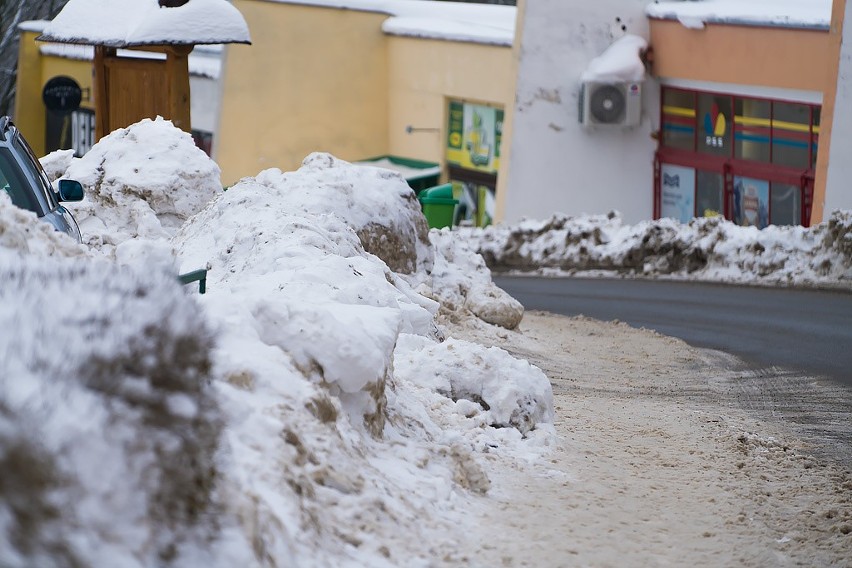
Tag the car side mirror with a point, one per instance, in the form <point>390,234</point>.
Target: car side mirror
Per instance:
<point>70,190</point>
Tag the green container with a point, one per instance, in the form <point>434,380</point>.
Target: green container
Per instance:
<point>438,205</point>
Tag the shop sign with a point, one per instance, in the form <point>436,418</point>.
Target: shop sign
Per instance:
<point>751,202</point>
<point>474,135</point>
<point>62,94</point>
<point>715,127</point>
<point>677,185</point>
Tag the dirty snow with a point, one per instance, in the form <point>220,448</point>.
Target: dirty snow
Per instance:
<point>311,447</point>
<point>705,249</point>
<point>338,397</point>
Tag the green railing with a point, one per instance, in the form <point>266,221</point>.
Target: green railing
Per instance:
<point>199,276</point>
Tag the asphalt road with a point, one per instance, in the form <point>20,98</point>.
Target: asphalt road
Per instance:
<point>795,345</point>
<point>808,331</point>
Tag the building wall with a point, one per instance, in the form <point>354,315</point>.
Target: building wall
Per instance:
<point>555,164</point>
<point>34,71</point>
<point>837,193</point>
<point>315,79</point>
<point>424,74</point>
<point>781,58</point>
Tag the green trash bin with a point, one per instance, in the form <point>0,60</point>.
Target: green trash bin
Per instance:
<point>438,205</point>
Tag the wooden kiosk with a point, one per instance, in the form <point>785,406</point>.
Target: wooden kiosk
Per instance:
<point>141,53</point>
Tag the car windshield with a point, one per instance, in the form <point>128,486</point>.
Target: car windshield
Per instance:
<point>34,169</point>
<point>14,182</point>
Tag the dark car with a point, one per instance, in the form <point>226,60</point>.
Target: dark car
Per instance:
<point>23,178</point>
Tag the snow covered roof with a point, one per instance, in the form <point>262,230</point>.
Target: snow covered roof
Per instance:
<point>808,14</point>
<point>126,23</point>
<point>474,23</point>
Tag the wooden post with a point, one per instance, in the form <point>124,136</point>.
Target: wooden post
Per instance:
<point>177,80</point>
<point>101,80</point>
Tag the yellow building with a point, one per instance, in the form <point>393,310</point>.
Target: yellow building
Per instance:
<point>736,110</point>
<point>361,79</point>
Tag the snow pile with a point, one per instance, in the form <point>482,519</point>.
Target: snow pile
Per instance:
<point>108,424</point>
<point>461,282</point>
<point>265,422</point>
<point>142,181</point>
<point>375,202</point>
<point>21,232</point>
<point>311,333</point>
<point>434,366</point>
<point>710,249</point>
<point>621,61</point>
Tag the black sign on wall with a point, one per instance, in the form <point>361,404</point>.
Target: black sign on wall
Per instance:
<point>62,94</point>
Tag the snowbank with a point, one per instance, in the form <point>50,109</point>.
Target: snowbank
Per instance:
<point>21,232</point>
<point>108,423</point>
<point>142,181</point>
<point>287,417</point>
<point>461,282</point>
<point>708,249</point>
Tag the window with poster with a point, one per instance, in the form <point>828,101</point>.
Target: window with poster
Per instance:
<point>474,135</point>
<point>748,159</point>
<point>70,130</point>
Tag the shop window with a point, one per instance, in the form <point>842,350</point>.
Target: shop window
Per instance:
<point>752,123</point>
<point>678,119</point>
<point>715,124</point>
<point>677,199</point>
<point>785,204</point>
<point>751,202</point>
<point>709,192</point>
<point>817,111</point>
<point>791,135</point>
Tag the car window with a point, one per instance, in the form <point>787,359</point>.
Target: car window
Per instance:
<point>34,169</point>
<point>13,182</point>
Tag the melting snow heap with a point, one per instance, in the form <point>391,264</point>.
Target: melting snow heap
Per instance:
<point>710,249</point>
<point>305,411</point>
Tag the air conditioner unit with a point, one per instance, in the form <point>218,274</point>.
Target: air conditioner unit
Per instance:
<point>611,103</point>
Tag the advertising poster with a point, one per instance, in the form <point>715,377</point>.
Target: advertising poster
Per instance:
<point>677,189</point>
<point>751,202</point>
<point>474,134</point>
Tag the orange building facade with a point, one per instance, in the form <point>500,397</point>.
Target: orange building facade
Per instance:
<point>741,118</point>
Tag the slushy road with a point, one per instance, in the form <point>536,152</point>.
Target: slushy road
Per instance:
<point>804,330</point>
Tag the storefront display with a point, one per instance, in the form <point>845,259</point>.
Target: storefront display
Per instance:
<point>474,135</point>
<point>751,160</point>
